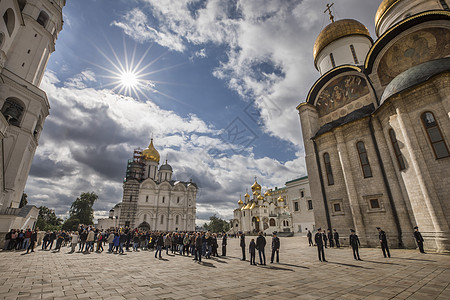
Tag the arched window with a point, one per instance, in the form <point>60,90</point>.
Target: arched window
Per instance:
<point>287,223</point>
<point>162,219</point>
<point>333,63</point>
<point>13,111</point>
<point>434,135</point>
<point>10,20</point>
<point>22,4</point>
<point>329,171</point>
<point>145,217</point>
<point>367,171</point>
<point>355,58</point>
<point>146,198</point>
<point>176,220</point>
<point>178,200</point>
<point>398,153</point>
<point>272,222</point>
<point>43,19</point>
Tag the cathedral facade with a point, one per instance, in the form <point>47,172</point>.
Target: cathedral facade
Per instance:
<point>28,33</point>
<point>152,200</point>
<point>376,125</point>
<point>288,209</point>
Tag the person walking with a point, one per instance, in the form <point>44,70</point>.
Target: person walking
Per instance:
<point>275,248</point>
<point>355,244</point>
<point>419,239</point>
<point>198,248</point>
<point>116,242</point>
<point>100,239</point>
<point>330,238</point>
<point>110,241</point>
<point>252,250</point>
<point>319,243</point>
<point>383,241</point>
<point>167,243</point>
<point>74,241</point>
<point>242,244</point>
<point>159,245</point>
<point>260,245</point>
<point>33,239</point>
<point>224,244</point>
<point>309,235</point>
<point>325,239</point>
<point>336,238</point>
<point>90,241</point>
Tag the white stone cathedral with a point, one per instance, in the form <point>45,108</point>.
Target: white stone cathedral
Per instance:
<point>376,125</point>
<point>152,200</point>
<point>28,33</point>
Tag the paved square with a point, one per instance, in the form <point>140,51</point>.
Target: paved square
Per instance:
<point>47,275</point>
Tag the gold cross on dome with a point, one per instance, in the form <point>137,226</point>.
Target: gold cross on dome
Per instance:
<point>329,11</point>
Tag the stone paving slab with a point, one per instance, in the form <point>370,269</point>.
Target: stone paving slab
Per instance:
<point>138,275</point>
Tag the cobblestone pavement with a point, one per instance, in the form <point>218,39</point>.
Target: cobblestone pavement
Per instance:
<point>299,275</point>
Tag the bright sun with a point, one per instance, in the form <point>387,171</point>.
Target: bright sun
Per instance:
<point>129,79</point>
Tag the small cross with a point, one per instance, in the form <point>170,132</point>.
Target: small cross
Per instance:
<point>329,11</point>
<point>255,178</point>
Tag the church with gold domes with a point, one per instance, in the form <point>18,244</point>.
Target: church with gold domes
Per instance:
<point>152,200</point>
<point>376,125</point>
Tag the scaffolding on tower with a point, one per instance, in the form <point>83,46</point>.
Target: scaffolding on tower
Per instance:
<point>135,166</point>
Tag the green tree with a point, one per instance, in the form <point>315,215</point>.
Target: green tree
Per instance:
<point>71,224</point>
<point>47,219</point>
<point>82,210</point>
<point>216,224</point>
<point>23,200</point>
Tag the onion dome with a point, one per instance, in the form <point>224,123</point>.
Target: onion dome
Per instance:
<point>280,199</point>
<point>337,30</point>
<point>240,201</point>
<point>255,193</point>
<point>256,186</point>
<point>252,206</point>
<point>260,197</point>
<point>246,195</point>
<point>151,153</point>
<point>166,167</point>
<point>267,193</point>
<point>382,9</point>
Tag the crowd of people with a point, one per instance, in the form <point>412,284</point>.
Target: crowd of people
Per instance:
<point>196,244</point>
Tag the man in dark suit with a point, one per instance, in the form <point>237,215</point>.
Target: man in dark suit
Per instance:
<point>260,244</point>
<point>419,239</point>
<point>224,244</point>
<point>354,242</point>
<point>275,248</point>
<point>325,239</point>
<point>383,241</point>
<point>242,244</point>
<point>309,235</point>
<point>330,238</point>
<point>319,243</point>
<point>336,238</point>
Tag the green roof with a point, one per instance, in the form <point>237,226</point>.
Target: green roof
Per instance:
<point>298,179</point>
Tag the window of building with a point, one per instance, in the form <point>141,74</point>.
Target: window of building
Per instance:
<point>145,217</point>
<point>310,205</point>
<point>131,198</point>
<point>287,223</point>
<point>163,199</point>
<point>176,220</point>
<point>146,198</point>
<point>265,211</point>
<point>244,213</point>
<point>434,135</point>
<point>337,207</point>
<point>43,18</point>
<point>444,4</point>
<point>367,171</point>
<point>178,200</point>
<point>10,20</point>
<point>13,111</point>
<point>295,206</point>
<point>398,153</point>
<point>302,194</point>
<point>162,219</point>
<point>333,64</point>
<point>355,58</point>
<point>299,228</point>
<point>127,223</point>
<point>22,4</point>
<point>328,170</point>
<point>374,203</point>
<point>272,222</point>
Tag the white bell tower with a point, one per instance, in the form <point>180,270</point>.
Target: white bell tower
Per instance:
<point>28,32</point>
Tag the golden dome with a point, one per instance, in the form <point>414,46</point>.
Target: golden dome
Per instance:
<point>240,202</point>
<point>280,199</point>
<point>382,9</point>
<point>337,30</point>
<point>267,193</point>
<point>260,197</point>
<point>247,195</point>
<point>256,186</point>
<point>247,206</point>
<point>151,153</point>
<point>255,193</point>
<point>253,206</point>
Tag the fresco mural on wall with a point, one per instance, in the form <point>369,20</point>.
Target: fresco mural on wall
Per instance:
<point>413,49</point>
<point>340,92</point>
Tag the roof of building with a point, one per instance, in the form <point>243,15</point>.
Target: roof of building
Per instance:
<point>298,179</point>
<point>337,30</point>
<point>414,76</point>
<point>353,116</point>
<point>166,167</point>
<point>382,9</point>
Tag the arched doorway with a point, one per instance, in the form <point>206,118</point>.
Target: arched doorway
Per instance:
<point>144,226</point>
<point>255,221</point>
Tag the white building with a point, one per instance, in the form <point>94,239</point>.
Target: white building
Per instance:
<point>152,200</point>
<point>287,209</point>
<point>28,32</point>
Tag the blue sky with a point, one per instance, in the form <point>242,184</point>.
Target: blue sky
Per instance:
<point>222,82</point>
